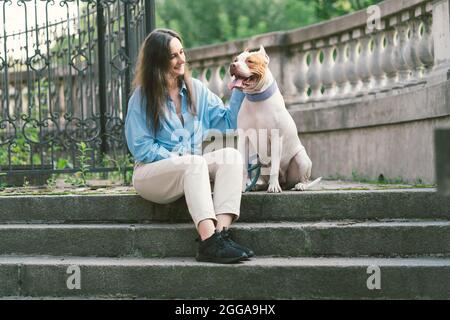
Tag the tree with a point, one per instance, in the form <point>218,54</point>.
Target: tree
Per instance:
<point>202,22</point>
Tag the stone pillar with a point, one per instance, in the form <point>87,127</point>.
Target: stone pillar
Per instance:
<point>442,150</point>
<point>441,33</point>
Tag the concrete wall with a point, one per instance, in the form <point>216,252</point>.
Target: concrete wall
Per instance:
<point>397,151</point>
<point>393,136</point>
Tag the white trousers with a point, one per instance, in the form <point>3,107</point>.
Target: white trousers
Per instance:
<point>167,180</point>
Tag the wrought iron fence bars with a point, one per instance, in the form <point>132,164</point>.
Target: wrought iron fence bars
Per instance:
<point>67,80</point>
<point>101,74</point>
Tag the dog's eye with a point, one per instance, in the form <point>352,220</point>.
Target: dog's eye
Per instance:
<point>250,61</point>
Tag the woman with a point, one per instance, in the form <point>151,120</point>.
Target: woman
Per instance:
<point>168,115</point>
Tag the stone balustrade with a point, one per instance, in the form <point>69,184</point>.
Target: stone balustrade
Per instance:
<point>354,56</point>
<point>365,91</point>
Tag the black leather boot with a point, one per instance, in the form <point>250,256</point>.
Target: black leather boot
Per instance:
<point>216,249</point>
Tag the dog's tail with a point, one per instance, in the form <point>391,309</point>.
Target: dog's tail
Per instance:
<point>313,183</point>
<point>307,186</point>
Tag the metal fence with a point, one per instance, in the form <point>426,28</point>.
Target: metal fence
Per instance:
<point>66,82</point>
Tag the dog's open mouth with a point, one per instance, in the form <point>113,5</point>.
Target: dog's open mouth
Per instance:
<point>240,82</point>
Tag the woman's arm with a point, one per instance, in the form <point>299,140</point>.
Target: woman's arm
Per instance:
<point>221,117</point>
<point>140,139</point>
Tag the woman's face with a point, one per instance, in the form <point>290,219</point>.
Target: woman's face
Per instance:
<point>177,59</point>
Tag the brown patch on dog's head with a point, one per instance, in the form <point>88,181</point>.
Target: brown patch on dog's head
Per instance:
<point>257,64</point>
<point>248,68</point>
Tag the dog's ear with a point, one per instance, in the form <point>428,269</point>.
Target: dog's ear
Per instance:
<point>263,52</point>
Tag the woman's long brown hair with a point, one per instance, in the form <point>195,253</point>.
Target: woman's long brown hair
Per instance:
<point>151,68</point>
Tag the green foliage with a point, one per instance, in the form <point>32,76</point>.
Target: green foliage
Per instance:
<point>51,182</point>
<point>381,180</point>
<point>63,163</point>
<point>2,183</point>
<point>80,179</point>
<point>202,22</point>
<point>21,149</point>
<point>4,155</point>
<point>26,183</point>
<point>122,164</point>
<point>83,158</point>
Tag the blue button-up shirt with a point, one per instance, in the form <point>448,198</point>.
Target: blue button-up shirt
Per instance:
<point>172,136</point>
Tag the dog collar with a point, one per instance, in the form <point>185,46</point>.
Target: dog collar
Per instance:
<point>266,94</point>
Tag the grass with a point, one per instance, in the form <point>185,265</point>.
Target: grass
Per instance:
<point>112,183</point>
<point>382,181</point>
<point>96,183</point>
<point>30,192</point>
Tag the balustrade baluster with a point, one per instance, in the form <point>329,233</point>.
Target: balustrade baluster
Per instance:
<point>202,75</point>
<point>375,66</point>
<point>215,82</point>
<point>408,48</point>
<point>300,77</point>
<point>339,68</point>
<point>363,66</point>
<point>313,75</point>
<point>226,80</point>
<point>400,61</point>
<point>351,66</point>
<point>417,72</point>
<point>425,46</point>
<point>387,63</point>
<point>291,63</point>
<point>326,74</point>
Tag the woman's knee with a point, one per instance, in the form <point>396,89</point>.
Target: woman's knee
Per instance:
<point>196,164</point>
<point>232,156</point>
<point>188,161</point>
<point>197,160</point>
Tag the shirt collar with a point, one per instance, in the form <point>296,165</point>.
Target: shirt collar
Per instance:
<point>183,88</point>
<point>182,92</point>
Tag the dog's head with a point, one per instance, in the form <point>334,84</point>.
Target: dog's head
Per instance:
<point>248,70</point>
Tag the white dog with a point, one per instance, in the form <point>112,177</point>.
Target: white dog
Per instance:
<point>266,128</point>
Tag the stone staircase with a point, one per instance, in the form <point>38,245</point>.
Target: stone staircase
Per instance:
<point>310,245</point>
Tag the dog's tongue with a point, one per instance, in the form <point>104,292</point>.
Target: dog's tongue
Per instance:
<point>235,83</point>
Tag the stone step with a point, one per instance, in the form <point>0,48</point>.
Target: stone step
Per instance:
<point>339,238</point>
<point>256,207</point>
<point>260,278</point>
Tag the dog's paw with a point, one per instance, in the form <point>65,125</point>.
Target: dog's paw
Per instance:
<point>300,186</point>
<point>274,188</point>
